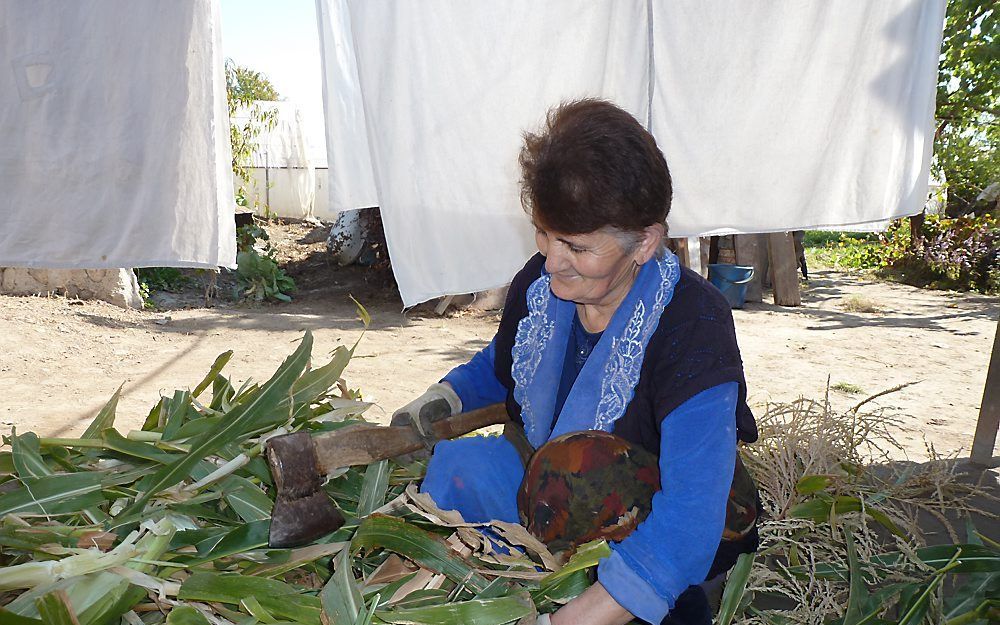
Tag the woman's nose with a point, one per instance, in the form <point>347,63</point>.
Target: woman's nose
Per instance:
<point>555,259</point>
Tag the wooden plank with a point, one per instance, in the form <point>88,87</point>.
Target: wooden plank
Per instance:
<point>681,249</point>
<point>748,253</point>
<point>705,249</point>
<point>784,266</point>
<point>989,412</point>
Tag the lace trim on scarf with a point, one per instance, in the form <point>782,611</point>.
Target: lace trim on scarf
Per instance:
<point>621,373</point>
<point>533,334</point>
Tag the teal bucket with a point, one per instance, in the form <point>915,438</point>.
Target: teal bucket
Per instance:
<point>732,280</point>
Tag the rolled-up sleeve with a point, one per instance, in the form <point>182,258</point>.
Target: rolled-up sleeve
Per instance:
<point>476,382</point>
<point>674,546</point>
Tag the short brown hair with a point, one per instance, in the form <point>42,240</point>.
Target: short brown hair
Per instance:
<point>593,166</point>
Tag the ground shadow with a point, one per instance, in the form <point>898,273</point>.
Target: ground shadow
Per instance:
<point>826,286</point>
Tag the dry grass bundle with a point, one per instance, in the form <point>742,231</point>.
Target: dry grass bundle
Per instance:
<point>835,503</point>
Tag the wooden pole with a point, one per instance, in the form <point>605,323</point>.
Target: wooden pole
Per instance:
<point>989,412</point>
<point>749,253</point>
<point>781,249</point>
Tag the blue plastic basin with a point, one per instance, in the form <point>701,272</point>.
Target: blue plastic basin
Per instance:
<point>732,280</point>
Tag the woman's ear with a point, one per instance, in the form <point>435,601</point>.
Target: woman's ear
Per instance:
<point>652,238</point>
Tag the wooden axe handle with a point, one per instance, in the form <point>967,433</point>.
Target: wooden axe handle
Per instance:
<point>365,443</point>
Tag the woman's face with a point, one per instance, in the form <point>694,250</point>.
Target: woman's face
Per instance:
<point>591,268</point>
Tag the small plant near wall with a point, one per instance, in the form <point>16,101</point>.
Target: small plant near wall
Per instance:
<point>258,276</point>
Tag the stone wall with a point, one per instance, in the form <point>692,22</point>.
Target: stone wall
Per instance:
<point>116,286</point>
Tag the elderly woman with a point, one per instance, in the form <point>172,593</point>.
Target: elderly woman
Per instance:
<point>603,330</point>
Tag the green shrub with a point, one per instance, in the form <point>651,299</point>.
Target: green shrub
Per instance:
<point>258,276</point>
<point>954,253</point>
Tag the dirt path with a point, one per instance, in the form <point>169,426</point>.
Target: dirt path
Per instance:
<point>60,360</point>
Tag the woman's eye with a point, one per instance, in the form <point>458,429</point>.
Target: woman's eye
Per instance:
<point>577,250</point>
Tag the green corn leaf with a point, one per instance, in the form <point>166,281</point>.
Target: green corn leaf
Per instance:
<point>373,488</point>
<point>27,456</point>
<point>246,499</point>
<point>977,588</point>
<point>186,615</point>
<point>341,597</point>
<point>222,393</point>
<point>10,618</point>
<point>736,586</point>
<point>242,538</point>
<point>857,594</point>
<point>54,609</point>
<point>178,408</point>
<point>220,362</point>
<point>426,549</point>
<point>109,607</point>
<point>197,427</point>
<point>549,597</point>
<point>304,609</point>
<point>105,418</point>
<point>231,588</point>
<point>256,610</point>
<point>475,612</point>
<point>240,422</point>
<point>588,555</point>
<point>312,384</point>
<point>823,508</point>
<point>154,418</point>
<point>6,463</point>
<point>136,449</point>
<point>974,559</point>
<point>809,484</point>
<point>88,594</point>
<point>64,493</point>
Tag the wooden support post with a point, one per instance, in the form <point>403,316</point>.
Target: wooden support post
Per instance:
<point>681,249</point>
<point>781,251</point>
<point>749,253</point>
<point>989,412</point>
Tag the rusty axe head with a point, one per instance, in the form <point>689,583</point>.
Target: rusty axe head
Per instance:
<point>302,510</point>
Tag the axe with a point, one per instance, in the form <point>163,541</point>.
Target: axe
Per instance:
<point>302,510</point>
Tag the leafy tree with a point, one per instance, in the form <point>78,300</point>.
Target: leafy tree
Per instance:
<point>247,85</point>
<point>967,138</point>
<point>259,277</point>
<point>244,89</point>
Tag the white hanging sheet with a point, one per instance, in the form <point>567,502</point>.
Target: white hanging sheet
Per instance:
<point>349,160</point>
<point>795,115</point>
<point>115,135</point>
<point>782,116</point>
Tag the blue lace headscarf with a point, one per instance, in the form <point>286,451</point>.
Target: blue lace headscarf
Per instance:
<point>606,383</point>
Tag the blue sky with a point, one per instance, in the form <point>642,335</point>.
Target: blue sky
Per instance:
<point>280,39</point>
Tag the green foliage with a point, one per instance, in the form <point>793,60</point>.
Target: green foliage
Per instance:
<point>159,279</point>
<point>960,253</point>
<point>244,89</point>
<point>259,278</point>
<point>967,139</point>
<point>247,85</point>
<point>953,253</point>
<point>841,250</point>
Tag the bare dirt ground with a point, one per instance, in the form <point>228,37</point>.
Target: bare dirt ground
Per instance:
<point>60,360</point>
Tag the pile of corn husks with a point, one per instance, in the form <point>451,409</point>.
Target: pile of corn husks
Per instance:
<point>169,524</point>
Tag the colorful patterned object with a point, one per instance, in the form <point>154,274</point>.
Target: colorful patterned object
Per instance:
<point>585,486</point>
<point>594,485</point>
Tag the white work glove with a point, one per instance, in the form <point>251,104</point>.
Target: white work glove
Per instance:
<point>543,619</point>
<point>439,401</point>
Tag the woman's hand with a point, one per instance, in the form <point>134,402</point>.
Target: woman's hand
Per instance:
<point>595,606</point>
